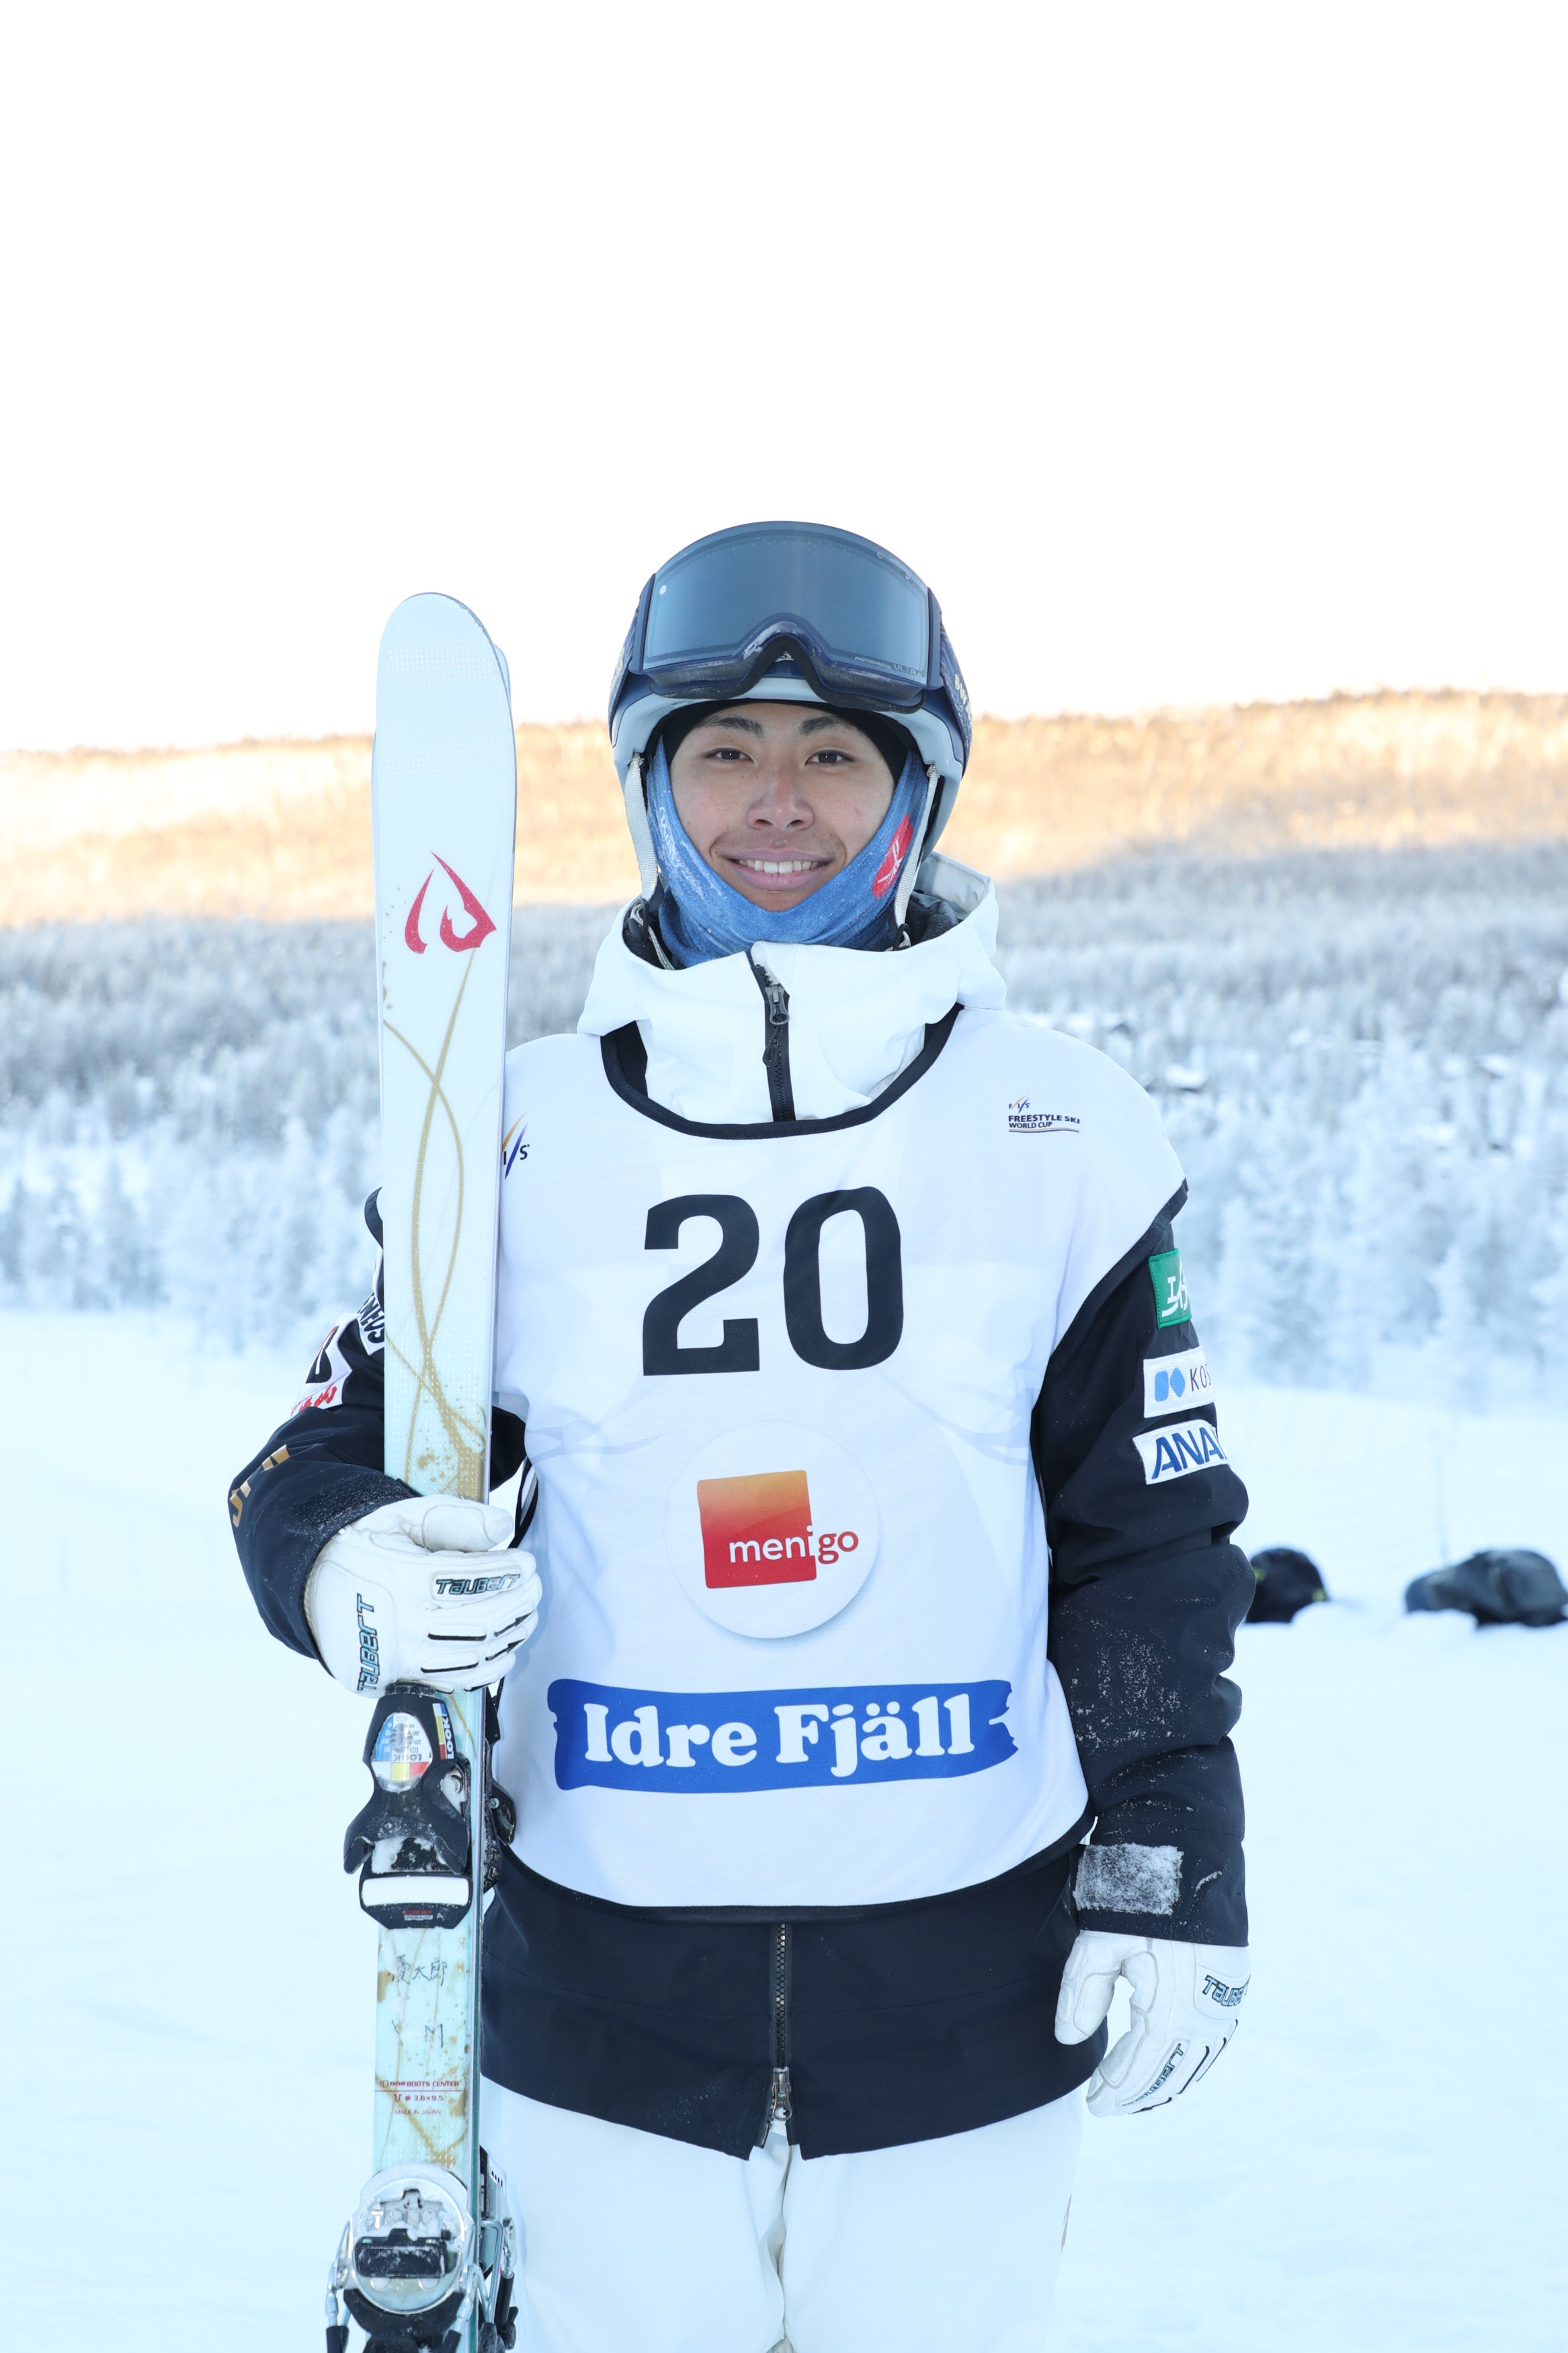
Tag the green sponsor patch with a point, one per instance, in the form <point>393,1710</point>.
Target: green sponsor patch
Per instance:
<point>1170,1287</point>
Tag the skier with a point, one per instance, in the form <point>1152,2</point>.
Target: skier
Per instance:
<point>871,1721</point>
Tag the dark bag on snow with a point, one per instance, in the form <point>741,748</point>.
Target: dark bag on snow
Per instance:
<point>1287,1581</point>
<point>1498,1589</point>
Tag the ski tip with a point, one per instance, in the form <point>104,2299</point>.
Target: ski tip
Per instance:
<point>432,628</point>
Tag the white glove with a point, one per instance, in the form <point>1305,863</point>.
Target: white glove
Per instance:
<point>417,1591</point>
<point>1186,2002</point>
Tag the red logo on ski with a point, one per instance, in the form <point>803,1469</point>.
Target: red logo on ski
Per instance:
<point>479,925</point>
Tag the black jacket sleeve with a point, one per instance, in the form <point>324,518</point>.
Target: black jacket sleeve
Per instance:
<point>1146,1594</point>
<point>322,1467</point>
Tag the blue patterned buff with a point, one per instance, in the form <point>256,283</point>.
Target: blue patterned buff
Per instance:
<point>703,916</point>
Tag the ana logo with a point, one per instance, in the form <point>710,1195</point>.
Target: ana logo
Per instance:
<point>1178,1452</point>
<point>1022,1121</point>
<point>479,925</point>
<point>513,1147</point>
<point>1172,1383</point>
<point>898,850</point>
<point>759,1530</point>
<point>767,1551</point>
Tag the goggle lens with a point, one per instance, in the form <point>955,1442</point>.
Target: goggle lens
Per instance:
<point>861,613</point>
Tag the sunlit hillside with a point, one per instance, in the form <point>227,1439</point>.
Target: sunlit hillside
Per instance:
<point>1330,938</point>
<point>281,830</point>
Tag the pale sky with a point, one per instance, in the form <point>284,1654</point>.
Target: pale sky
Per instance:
<point>1192,352</point>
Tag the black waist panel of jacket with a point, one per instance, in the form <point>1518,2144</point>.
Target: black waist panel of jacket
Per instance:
<point>899,2021</point>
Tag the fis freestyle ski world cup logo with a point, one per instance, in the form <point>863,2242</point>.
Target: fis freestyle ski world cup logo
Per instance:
<point>479,924</point>
<point>1023,1119</point>
<point>772,1529</point>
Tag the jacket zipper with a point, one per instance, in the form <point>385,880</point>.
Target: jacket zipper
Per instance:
<point>779,2098</point>
<point>775,1041</point>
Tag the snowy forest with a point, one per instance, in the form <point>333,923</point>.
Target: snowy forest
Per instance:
<point>1362,1059</point>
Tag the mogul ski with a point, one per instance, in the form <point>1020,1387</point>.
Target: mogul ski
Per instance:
<point>426,2263</point>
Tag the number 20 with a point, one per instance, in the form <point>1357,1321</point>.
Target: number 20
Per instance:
<point>738,1351</point>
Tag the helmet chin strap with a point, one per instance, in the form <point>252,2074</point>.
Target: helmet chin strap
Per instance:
<point>917,847</point>
<point>638,825</point>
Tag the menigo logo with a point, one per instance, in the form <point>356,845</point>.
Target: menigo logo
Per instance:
<point>1178,1451</point>
<point>764,1549</point>
<point>759,1530</point>
<point>608,1738</point>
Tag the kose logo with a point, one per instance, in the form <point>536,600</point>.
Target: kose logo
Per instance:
<point>759,1530</point>
<point>1174,1383</point>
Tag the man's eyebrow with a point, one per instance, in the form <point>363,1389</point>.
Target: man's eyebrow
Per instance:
<point>816,725</point>
<point>733,719</point>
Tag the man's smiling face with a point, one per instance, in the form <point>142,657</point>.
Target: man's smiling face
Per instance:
<point>779,796</point>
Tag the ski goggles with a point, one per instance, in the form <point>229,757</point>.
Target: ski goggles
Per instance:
<point>833,615</point>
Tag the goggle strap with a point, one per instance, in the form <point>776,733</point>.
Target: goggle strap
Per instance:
<point>639,827</point>
<point>912,862</point>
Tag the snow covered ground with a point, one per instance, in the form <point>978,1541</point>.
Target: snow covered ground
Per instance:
<point>1377,2166</point>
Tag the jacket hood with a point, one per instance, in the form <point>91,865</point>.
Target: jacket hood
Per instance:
<point>856,1019</point>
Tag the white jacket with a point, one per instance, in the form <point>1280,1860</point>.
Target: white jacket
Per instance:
<point>777,1378</point>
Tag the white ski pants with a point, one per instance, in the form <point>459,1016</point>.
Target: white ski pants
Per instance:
<point>633,2244</point>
